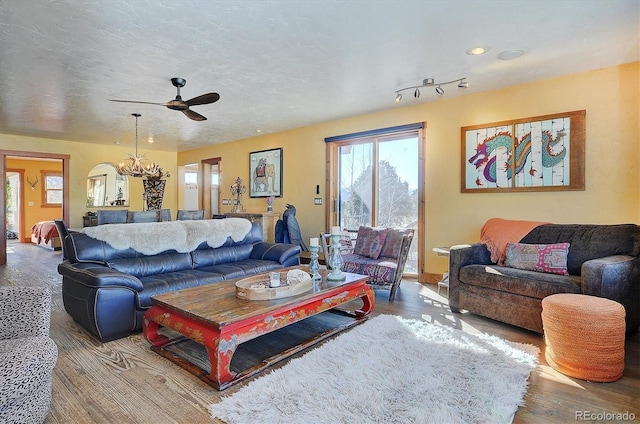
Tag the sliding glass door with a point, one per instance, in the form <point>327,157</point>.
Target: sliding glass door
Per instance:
<point>377,182</point>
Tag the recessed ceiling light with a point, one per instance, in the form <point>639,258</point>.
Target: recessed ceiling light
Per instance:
<point>510,54</point>
<point>474,51</point>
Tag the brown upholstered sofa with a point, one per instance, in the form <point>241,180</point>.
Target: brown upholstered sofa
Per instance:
<point>602,260</point>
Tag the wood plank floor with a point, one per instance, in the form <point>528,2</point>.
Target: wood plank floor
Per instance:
<point>124,382</point>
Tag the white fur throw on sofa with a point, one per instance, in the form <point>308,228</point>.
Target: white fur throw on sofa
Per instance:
<point>151,238</point>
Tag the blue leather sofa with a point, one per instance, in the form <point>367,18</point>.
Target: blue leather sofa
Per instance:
<point>108,290</point>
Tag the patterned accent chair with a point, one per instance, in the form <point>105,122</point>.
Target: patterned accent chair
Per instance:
<point>28,354</point>
<point>380,253</point>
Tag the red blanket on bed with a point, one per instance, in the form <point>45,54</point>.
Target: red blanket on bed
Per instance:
<point>44,230</point>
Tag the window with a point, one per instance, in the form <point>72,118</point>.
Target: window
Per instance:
<point>191,177</point>
<point>51,188</point>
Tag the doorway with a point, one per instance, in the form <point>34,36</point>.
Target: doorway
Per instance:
<point>190,187</point>
<point>14,214</point>
<point>210,193</point>
<point>214,175</point>
<point>4,155</point>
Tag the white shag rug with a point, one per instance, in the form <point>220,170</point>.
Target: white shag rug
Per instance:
<point>391,370</point>
<point>151,238</point>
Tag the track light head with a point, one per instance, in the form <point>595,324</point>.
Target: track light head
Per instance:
<point>398,97</point>
<point>416,93</point>
<point>463,84</point>
<point>439,90</point>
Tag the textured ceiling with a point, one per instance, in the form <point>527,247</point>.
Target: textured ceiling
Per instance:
<point>277,65</point>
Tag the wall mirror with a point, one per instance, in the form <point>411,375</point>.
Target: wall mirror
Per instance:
<point>105,187</point>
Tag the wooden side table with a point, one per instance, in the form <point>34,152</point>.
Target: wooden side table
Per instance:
<point>89,220</point>
<point>266,220</point>
<point>444,282</point>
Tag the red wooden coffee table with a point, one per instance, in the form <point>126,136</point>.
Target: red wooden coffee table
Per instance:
<point>213,316</point>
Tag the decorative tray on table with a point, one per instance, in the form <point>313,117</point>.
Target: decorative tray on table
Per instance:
<point>257,286</point>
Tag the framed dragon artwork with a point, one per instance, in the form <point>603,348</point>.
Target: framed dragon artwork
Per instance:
<point>541,153</point>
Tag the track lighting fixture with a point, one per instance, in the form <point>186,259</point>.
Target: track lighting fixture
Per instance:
<point>430,82</point>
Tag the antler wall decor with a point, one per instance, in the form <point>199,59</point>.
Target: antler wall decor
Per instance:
<point>32,184</point>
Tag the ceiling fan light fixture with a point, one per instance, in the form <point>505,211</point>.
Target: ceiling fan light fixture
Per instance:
<point>182,105</point>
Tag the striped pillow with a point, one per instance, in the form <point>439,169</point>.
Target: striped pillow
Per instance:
<point>549,258</point>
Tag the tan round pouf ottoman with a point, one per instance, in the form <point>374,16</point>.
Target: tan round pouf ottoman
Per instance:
<point>584,336</point>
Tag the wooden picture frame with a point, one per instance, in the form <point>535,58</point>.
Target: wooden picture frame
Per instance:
<point>265,173</point>
<point>541,153</point>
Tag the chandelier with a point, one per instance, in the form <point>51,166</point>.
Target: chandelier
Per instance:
<point>138,165</point>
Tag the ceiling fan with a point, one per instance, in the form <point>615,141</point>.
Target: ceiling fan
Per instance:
<point>181,105</point>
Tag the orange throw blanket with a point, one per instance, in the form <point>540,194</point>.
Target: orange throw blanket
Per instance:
<point>497,232</point>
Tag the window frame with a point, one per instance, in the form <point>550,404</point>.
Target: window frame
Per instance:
<point>332,197</point>
<point>44,191</point>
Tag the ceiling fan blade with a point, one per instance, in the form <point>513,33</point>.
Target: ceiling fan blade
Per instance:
<point>133,101</point>
<point>194,115</point>
<point>204,99</point>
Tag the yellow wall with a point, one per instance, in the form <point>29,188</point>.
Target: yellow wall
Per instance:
<point>611,98</point>
<point>83,157</point>
<point>32,199</point>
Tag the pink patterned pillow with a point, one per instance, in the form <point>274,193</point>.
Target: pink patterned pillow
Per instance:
<point>549,258</point>
<point>370,241</point>
<point>393,242</point>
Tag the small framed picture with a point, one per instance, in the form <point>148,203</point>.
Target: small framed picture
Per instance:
<point>265,173</point>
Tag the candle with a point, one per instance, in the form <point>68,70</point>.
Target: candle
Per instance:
<point>274,279</point>
<point>335,231</point>
<point>313,241</point>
